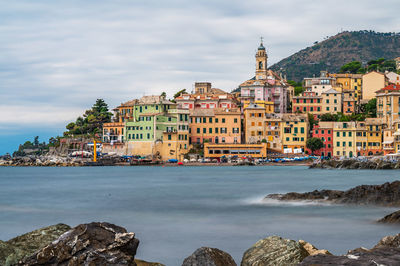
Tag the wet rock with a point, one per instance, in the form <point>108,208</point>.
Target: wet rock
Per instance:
<point>89,244</point>
<point>384,256</point>
<point>356,164</point>
<point>23,246</point>
<point>389,241</point>
<point>386,252</point>
<point>393,218</point>
<point>387,194</point>
<point>206,256</point>
<point>274,250</point>
<point>312,250</point>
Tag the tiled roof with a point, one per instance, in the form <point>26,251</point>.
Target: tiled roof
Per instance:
<point>331,91</point>
<point>391,87</point>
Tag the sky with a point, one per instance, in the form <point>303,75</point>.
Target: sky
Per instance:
<point>58,57</point>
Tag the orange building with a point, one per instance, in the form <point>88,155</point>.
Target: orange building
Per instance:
<point>215,126</point>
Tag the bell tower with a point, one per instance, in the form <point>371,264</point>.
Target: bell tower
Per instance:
<point>261,62</point>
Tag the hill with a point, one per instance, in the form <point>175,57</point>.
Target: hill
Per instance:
<point>338,50</point>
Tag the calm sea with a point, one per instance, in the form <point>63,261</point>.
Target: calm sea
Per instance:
<point>175,210</point>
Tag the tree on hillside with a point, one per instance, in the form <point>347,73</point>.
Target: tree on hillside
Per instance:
<point>92,120</point>
<point>354,67</point>
<point>328,117</point>
<point>298,87</point>
<point>314,144</point>
<point>179,93</point>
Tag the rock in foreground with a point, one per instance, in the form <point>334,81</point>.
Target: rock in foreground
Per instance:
<point>387,194</point>
<point>206,256</point>
<point>89,244</point>
<point>274,250</point>
<point>23,246</point>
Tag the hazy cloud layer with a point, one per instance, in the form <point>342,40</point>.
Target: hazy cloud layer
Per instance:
<point>57,57</point>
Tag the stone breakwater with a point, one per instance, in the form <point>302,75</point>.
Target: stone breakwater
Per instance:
<point>373,164</point>
<point>101,243</point>
<point>44,161</point>
<point>387,194</point>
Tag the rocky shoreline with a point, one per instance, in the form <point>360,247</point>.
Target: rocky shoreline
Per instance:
<point>101,243</point>
<point>372,164</point>
<point>387,194</point>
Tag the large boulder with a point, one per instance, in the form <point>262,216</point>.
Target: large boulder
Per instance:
<point>393,218</point>
<point>312,250</point>
<point>23,246</point>
<point>206,256</point>
<point>89,244</point>
<point>389,241</point>
<point>274,250</point>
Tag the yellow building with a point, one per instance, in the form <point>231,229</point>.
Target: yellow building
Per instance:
<point>387,101</point>
<point>396,136</point>
<point>361,139</point>
<point>375,127</point>
<point>294,131</point>
<point>268,106</point>
<point>350,82</point>
<point>273,135</point>
<point>371,83</point>
<point>331,101</point>
<point>212,150</point>
<point>254,123</point>
<point>388,141</point>
<point>344,139</point>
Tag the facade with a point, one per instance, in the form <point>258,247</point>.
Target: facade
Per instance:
<point>212,150</point>
<point>157,128</point>
<point>294,131</point>
<point>388,141</point>
<point>308,102</point>
<point>349,103</point>
<point>273,132</point>
<point>349,83</point>
<point>371,83</point>
<point>331,101</point>
<point>268,106</point>
<point>344,139</point>
<point>320,84</point>
<point>324,131</point>
<point>215,126</point>
<point>254,124</point>
<point>393,78</point>
<point>387,100</point>
<point>375,127</point>
<point>206,98</point>
<point>361,139</point>
<point>266,85</point>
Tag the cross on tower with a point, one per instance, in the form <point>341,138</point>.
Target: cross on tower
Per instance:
<point>262,38</point>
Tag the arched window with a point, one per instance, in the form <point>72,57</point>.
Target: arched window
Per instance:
<point>260,65</point>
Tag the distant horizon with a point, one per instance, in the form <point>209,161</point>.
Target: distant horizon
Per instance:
<point>59,57</point>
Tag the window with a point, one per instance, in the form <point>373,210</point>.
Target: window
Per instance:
<point>223,120</point>
<point>344,134</point>
<point>350,143</point>
<point>198,130</point>
<point>210,120</point>
<point>338,144</point>
<point>210,130</point>
<point>302,130</point>
<point>204,130</point>
<point>169,137</point>
<point>235,120</point>
<point>204,120</point>
<point>216,130</point>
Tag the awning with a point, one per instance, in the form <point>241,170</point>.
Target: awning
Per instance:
<point>388,142</point>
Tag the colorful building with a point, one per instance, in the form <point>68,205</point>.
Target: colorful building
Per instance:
<point>206,97</point>
<point>294,131</point>
<point>320,84</point>
<point>361,139</point>
<point>254,123</point>
<point>331,101</point>
<point>349,103</point>
<point>308,102</point>
<point>375,127</point>
<point>273,131</point>
<point>157,128</point>
<point>268,106</point>
<point>215,126</point>
<point>371,83</point>
<point>324,131</point>
<point>216,151</point>
<point>344,139</point>
<point>266,85</point>
<point>349,83</point>
<point>387,101</point>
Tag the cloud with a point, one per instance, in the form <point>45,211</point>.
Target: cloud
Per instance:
<point>63,55</point>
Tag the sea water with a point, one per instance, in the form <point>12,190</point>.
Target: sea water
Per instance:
<point>175,210</point>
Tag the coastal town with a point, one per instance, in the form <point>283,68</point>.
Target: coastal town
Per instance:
<point>263,115</point>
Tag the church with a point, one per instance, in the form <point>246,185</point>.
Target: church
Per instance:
<point>266,87</point>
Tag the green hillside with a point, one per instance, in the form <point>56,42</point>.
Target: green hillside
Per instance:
<point>338,50</point>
